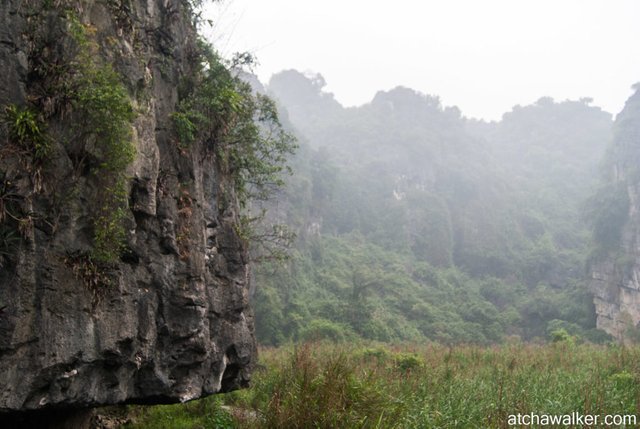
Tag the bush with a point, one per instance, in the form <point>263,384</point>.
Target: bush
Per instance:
<point>26,131</point>
<point>322,329</point>
<point>319,387</point>
<point>406,362</point>
<point>562,336</point>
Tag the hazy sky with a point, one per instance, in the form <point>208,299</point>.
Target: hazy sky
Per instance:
<point>484,56</point>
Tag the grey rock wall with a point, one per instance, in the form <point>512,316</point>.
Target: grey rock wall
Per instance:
<point>174,323</point>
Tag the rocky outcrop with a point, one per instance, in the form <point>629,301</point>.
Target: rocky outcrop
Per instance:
<point>615,271</point>
<point>167,321</point>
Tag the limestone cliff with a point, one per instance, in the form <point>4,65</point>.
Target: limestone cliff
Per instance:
<point>167,319</point>
<point>615,271</point>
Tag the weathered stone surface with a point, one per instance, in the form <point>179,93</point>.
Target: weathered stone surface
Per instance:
<point>174,324</point>
<point>615,277</point>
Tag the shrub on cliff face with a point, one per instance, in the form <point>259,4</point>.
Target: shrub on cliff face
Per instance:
<point>26,131</point>
<point>99,97</point>
<point>241,128</point>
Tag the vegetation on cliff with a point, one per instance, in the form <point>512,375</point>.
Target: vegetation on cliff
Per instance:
<point>240,128</point>
<point>80,84</point>
<point>613,215</point>
<point>417,223</point>
<point>609,206</point>
<point>122,250</point>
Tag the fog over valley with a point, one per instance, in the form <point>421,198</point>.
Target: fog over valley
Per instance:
<point>242,214</point>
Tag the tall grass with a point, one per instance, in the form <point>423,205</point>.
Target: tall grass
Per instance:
<point>324,385</point>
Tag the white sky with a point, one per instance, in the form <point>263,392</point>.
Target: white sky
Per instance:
<point>484,56</point>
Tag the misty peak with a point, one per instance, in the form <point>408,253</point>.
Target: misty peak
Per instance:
<point>403,98</point>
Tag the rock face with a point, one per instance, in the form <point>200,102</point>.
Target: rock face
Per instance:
<point>616,272</point>
<point>169,320</point>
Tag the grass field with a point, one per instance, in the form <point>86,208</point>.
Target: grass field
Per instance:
<point>324,385</point>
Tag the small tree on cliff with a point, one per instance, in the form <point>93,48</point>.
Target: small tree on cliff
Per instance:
<point>241,127</point>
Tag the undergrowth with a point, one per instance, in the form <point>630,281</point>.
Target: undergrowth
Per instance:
<point>325,385</point>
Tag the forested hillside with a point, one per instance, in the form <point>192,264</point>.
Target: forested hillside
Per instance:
<point>414,222</point>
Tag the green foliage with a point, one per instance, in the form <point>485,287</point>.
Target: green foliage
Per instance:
<point>185,128</point>
<point>105,105</point>
<point>322,329</point>
<point>385,301</point>
<point>380,354</point>
<point>561,336</point>
<point>98,95</point>
<point>109,232</point>
<point>623,379</point>
<point>26,130</point>
<point>203,414</point>
<point>101,100</point>
<point>308,390</point>
<point>466,231</point>
<point>407,362</point>
<point>242,129</point>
